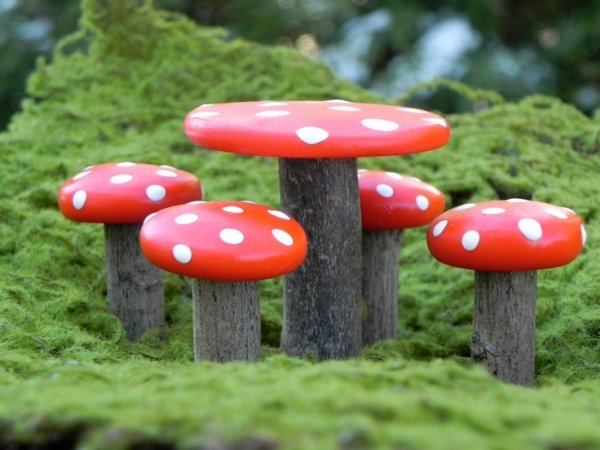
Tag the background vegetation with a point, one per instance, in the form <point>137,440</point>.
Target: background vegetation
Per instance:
<point>509,46</point>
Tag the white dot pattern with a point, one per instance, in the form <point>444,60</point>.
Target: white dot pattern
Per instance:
<point>80,175</point>
<point>279,214</point>
<point>186,219</point>
<point>385,190</point>
<point>272,113</point>
<point>524,235</point>
<point>282,237</point>
<point>233,209</point>
<point>412,110</point>
<point>556,213</point>
<point>422,202</point>
<point>380,124</point>
<point>312,135</point>
<point>204,114</point>
<point>270,104</point>
<point>439,227</point>
<point>125,164</point>
<point>345,108</point>
<point>149,216</point>
<point>79,199</point>
<point>231,236</point>
<point>531,229</point>
<point>121,179</point>
<point>436,120</point>
<point>166,173</point>
<point>464,207</point>
<point>182,253</point>
<point>156,192</point>
<point>492,211</point>
<point>470,240</point>
<point>394,175</point>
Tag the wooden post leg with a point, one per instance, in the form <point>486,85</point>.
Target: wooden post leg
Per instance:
<point>504,325</point>
<point>226,321</point>
<point>321,298</point>
<point>380,250</point>
<point>135,287</point>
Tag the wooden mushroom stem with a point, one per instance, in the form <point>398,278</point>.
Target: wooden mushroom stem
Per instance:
<point>379,310</point>
<point>321,298</point>
<point>135,287</point>
<point>226,321</point>
<point>504,325</point>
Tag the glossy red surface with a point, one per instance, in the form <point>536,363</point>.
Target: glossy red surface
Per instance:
<point>390,201</point>
<point>224,241</point>
<point>125,192</point>
<point>315,129</point>
<point>506,235</point>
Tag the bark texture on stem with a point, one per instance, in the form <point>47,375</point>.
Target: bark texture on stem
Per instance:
<point>321,299</point>
<point>504,325</point>
<point>380,250</point>
<point>226,321</point>
<point>134,285</point>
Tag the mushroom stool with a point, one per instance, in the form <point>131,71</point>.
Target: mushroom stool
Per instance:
<point>318,143</point>
<point>389,203</point>
<point>121,195</point>
<point>505,242</point>
<point>226,247</point>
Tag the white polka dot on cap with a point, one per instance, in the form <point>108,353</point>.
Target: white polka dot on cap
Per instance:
<point>186,219</point>
<point>470,240</point>
<point>385,190</point>
<point>312,135</point>
<point>380,124</point>
<point>156,192</point>
<point>439,227</point>
<point>531,229</point>
<point>231,236</point>
<point>422,202</point>
<point>272,113</point>
<point>233,209</point>
<point>79,199</point>
<point>182,253</point>
<point>283,237</point>
<point>121,178</point>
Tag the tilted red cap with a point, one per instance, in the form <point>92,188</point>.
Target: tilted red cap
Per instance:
<point>224,241</point>
<point>125,192</point>
<point>390,201</point>
<point>315,129</point>
<point>506,235</point>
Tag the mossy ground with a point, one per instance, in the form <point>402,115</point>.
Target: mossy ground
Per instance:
<point>118,90</point>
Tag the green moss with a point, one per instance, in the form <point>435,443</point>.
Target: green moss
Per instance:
<point>118,90</point>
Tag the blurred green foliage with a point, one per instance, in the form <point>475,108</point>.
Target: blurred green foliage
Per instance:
<point>510,46</point>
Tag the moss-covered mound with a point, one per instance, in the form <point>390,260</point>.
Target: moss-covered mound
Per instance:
<point>118,90</point>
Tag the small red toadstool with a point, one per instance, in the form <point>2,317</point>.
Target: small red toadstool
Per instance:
<point>318,143</point>
<point>121,195</point>
<point>505,242</point>
<point>226,247</point>
<point>389,203</point>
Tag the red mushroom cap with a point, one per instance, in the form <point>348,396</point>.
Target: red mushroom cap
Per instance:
<point>506,236</point>
<point>224,241</point>
<point>390,201</point>
<point>125,192</point>
<point>315,129</point>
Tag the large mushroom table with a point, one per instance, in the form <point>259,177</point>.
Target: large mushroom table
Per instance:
<point>318,143</point>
